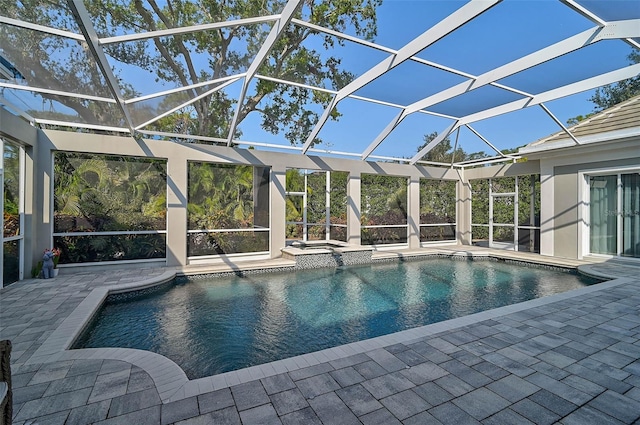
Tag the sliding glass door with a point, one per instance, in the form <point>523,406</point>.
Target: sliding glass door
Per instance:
<point>630,215</point>
<point>12,178</point>
<point>614,214</point>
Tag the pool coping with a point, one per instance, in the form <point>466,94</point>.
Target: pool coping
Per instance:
<point>173,384</point>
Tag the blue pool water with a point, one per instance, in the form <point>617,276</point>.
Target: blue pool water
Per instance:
<point>216,325</point>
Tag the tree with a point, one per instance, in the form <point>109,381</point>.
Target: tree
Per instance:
<point>11,179</point>
<point>443,152</point>
<point>190,58</point>
<point>440,152</point>
<point>101,193</point>
<point>575,120</point>
<point>612,94</point>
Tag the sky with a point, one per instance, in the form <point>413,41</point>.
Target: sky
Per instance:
<point>507,31</point>
<point>512,29</point>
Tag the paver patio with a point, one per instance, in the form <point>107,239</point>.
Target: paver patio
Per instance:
<point>571,358</point>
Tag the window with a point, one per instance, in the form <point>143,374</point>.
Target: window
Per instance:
<point>437,210</point>
<point>109,208</point>
<point>384,210</point>
<point>228,209</point>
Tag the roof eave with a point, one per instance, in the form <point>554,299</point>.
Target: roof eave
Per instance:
<point>564,143</point>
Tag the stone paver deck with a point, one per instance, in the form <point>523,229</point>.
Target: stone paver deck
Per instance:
<point>571,358</point>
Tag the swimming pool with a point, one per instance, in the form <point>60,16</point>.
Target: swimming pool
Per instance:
<point>210,326</point>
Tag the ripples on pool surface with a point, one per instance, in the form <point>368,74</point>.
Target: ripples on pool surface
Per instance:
<point>221,324</point>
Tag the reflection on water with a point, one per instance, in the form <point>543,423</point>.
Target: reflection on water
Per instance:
<point>217,325</point>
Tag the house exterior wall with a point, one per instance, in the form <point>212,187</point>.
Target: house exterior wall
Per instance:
<point>563,227</point>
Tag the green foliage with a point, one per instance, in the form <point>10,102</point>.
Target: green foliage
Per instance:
<point>503,207</point>
<point>11,175</point>
<point>575,120</point>
<point>338,197</point>
<point>222,197</point>
<point>190,58</point>
<point>480,201</point>
<point>316,202</point>
<point>383,199</point>
<point>383,202</point>
<point>36,270</point>
<point>612,94</point>
<point>56,62</point>
<point>92,248</point>
<point>443,152</point>
<point>94,193</point>
<point>437,201</point>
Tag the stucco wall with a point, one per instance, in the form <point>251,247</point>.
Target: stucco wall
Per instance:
<point>567,203</point>
<point>562,225</point>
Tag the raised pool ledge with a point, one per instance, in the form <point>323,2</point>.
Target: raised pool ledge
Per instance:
<point>318,254</point>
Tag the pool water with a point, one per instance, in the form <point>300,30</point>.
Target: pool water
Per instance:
<point>210,326</point>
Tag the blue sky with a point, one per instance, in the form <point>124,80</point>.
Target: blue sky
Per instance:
<point>506,32</point>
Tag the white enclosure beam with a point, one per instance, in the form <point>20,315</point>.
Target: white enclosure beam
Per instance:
<point>486,161</point>
<point>280,25</point>
<point>584,11</point>
<point>455,147</point>
<point>56,92</point>
<point>187,30</point>
<point>295,84</point>
<point>560,92</point>
<point>564,128</point>
<point>235,78</point>
<point>377,47</point>
<point>612,30</point>
<point>187,103</point>
<point>17,110</point>
<point>82,125</point>
<point>40,28</point>
<point>183,136</point>
<point>457,19</point>
<point>439,138</point>
<point>325,90</point>
<point>485,141</point>
<point>84,22</point>
<point>393,124</point>
<point>598,20</point>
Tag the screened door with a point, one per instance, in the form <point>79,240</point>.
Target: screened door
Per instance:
<point>614,214</point>
<point>502,216</point>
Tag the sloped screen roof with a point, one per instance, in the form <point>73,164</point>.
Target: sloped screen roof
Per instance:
<point>368,79</point>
